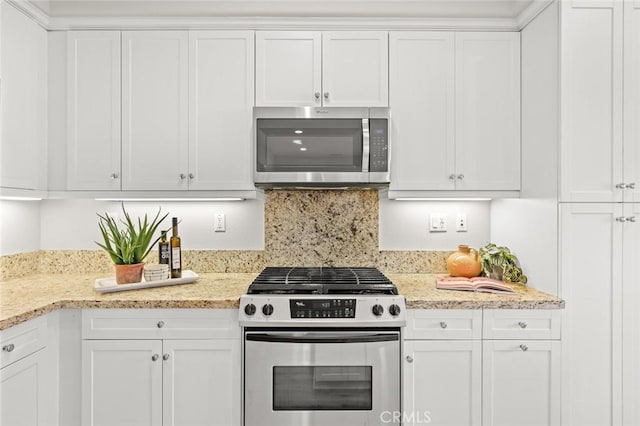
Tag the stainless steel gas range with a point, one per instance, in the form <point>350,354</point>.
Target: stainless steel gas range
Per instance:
<point>321,347</point>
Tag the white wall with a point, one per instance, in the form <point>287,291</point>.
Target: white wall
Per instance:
<point>73,224</point>
<point>404,225</point>
<point>19,226</point>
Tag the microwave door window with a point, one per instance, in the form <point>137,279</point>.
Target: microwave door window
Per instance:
<point>320,145</point>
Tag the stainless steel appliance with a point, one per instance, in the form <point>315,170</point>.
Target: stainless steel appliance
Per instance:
<point>321,347</point>
<point>311,146</point>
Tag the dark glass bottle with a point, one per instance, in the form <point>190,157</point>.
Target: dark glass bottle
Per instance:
<point>164,252</point>
<point>176,252</point>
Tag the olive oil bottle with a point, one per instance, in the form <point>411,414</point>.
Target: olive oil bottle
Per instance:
<point>176,252</point>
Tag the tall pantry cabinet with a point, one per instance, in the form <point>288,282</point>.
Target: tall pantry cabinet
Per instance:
<point>599,210</point>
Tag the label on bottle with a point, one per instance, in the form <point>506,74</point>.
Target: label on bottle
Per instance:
<point>165,254</point>
<point>175,258</point>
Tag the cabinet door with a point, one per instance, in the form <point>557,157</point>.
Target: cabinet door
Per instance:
<point>355,68</point>
<point>122,382</point>
<point>442,382</point>
<point>201,382</point>
<point>93,110</point>
<point>487,111</point>
<point>288,68</point>
<point>632,101</point>
<point>154,110</point>
<point>521,383</point>
<point>421,71</point>
<point>23,392</point>
<point>591,93</point>
<point>23,101</point>
<point>221,76</point>
<point>631,317</point>
<point>591,283</point>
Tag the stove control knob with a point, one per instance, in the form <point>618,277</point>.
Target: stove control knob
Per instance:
<point>377,310</point>
<point>267,309</point>
<point>250,309</point>
<point>394,310</point>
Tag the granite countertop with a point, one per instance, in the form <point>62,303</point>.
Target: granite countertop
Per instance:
<point>24,298</point>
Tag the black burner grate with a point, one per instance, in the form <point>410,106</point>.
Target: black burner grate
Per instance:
<point>340,280</point>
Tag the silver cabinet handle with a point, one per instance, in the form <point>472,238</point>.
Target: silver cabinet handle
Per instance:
<point>621,219</point>
<point>524,347</point>
<point>191,176</point>
<point>160,324</point>
<point>443,324</point>
<point>155,357</point>
<point>9,348</point>
<point>621,185</point>
<point>631,219</point>
<point>165,357</point>
<point>522,324</point>
<point>409,359</point>
<point>460,176</point>
<point>326,96</point>
<point>452,177</point>
<point>183,176</point>
<point>113,176</point>
<point>317,96</point>
<point>631,185</point>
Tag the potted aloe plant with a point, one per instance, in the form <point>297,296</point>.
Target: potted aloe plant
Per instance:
<point>128,243</point>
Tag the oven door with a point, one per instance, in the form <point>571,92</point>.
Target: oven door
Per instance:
<point>321,378</point>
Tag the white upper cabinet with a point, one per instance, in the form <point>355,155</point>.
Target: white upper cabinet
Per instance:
<point>591,156</point>
<point>488,111</point>
<point>155,110</point>
<point>309,68</point>
<point>288,68</point>
<point>221,75</point>
<point>93,110</point>
<point>631,148</point>
<point>455,102</point>
<point>422,73</point>
<point>23,101</point>
<point>355,68</point>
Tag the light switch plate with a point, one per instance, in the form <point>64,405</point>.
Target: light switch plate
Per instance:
<point>220,224</point>
<point>438,222</point>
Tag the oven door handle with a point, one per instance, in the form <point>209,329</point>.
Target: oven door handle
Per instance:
<point>322,338</point>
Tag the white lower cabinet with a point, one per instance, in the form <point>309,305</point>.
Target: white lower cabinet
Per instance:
<point>180,380</point>
<point>26,390</point>
<point>469,367</point>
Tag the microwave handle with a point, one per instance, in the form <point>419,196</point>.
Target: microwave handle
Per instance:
<point>365,145</point>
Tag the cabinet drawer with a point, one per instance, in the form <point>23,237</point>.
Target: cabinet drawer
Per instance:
<point>521,324</point>
<point>21,340</point>
<point>444,324</point>
<point>160,324</point>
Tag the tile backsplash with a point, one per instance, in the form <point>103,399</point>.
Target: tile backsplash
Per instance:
<point>302,228</point>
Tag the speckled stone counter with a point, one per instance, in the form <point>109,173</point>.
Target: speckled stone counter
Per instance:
<point>24,298</point>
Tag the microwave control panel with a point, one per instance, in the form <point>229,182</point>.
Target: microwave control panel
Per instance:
<point>378,145</point>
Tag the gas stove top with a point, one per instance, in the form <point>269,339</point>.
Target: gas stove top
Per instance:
<point>347,297</point>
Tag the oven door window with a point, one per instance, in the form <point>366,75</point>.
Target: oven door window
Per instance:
<point>312,388</point>
<point>309,145</point>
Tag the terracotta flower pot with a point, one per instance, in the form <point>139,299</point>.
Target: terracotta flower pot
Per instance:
<point>464,263</point>
<point>127,274</point>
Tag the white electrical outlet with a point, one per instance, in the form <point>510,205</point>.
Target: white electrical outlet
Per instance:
<point>438,222</point>
<point>461,222</point>
<point>220,225</point>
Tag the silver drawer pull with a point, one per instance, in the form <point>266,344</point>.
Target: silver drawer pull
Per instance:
<point>524,347</point>
<point>165,357</point>
<point>522,324</point>
<point>9,348</point>
<point>155,357</point>
<point>160,324</point>
<point>409,359</point>
<point>443,324</point>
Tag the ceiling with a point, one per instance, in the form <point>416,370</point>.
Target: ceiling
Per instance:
<point>445,9</point>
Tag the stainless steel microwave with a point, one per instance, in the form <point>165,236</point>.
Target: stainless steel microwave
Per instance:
<point>321,147</point>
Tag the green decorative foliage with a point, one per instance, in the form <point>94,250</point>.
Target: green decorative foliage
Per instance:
<point>499,263</point>
<point>130,242</point>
